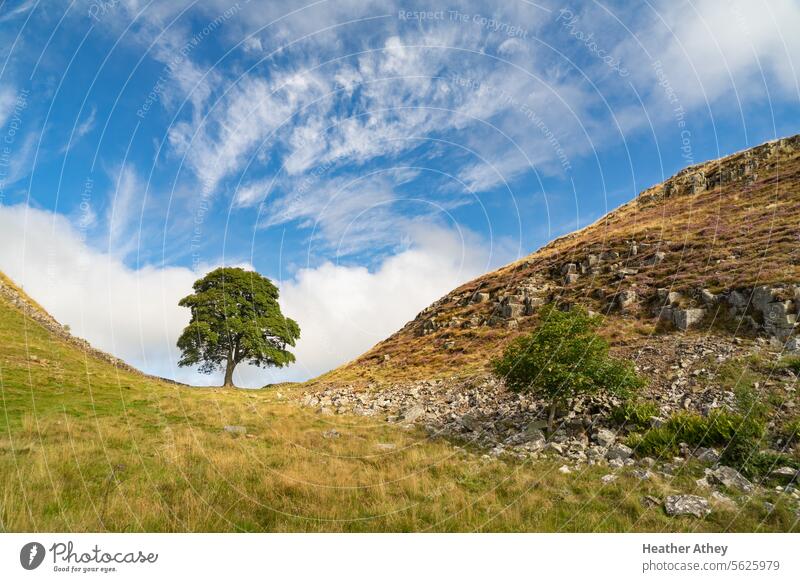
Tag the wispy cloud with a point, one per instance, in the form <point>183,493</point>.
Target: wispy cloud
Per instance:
<point>87,125</point>
<point>10,13</point>
<point>121,214</point>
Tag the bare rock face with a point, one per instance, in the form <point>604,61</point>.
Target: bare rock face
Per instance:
<point>676,505</point>
<point>780,319</point>
<point>776,307</point>
<point>626,299</point>
<point>686,318</point>
<point>512,307</point>
<point>743,167</point>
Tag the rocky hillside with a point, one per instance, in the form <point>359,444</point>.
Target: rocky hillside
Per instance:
<point>715,248</point>
<point>699,282</point>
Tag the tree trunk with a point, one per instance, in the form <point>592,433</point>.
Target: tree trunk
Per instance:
<point>551,418</point>
<point>229,366</point>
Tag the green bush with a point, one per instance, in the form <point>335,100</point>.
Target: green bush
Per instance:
<point>634,414</point>
<point>562,358</point>
<point>742,449</point>
<point>762,463</point>
<point>738,435</point>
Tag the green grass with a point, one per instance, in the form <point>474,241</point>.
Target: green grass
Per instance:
<point>634,414</point>
<point>85,447</point>
<point>792,363</point>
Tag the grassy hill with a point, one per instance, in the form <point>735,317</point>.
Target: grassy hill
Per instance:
<point>722,226</point>
<point>86,445</point>
<point>695,277</point>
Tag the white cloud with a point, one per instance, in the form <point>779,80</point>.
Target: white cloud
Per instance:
<point>311,115</point>
<point>346,213</point>
<point>345,310</point>
<point>131,313</point>
<point>122,211</point>
<point>21,157</point>
<point>712,49</point>
<point>134,313</point>
<point>86,125</point>
<point>251,193</point>
<point>17,11</point>
<point>218,145</point>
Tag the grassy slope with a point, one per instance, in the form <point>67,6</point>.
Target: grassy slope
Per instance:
<point>86,447</point>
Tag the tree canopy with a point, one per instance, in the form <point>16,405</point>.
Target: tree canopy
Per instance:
<point>235,318</point>
<point>562,358</point>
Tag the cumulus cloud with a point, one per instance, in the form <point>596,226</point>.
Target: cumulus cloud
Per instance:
<point>344,310</point>
<point>134,313</point>
<point>130,313</point>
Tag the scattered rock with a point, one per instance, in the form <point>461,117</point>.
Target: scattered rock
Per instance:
<point>642,474</point>
<point>656,259</point>
<point>730,478</point>
<point>331,434</point>
<point>471,423</point>
<point>610,478</point>
<point>619,451</point>
<point>604,437</point>
<point>616,463</point>
<point>235,429</point>
<point>788,474</point>
<point>414,413</point>
<point>651,501</point>
<point>707,455</point>
<point>626,299</point>
<point>676,505</point>
<point>532,436</point>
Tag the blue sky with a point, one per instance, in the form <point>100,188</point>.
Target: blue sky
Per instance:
<point>368,156</point>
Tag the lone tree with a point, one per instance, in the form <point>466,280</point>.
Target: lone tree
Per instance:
<point>235,318</point>
<point>563,358</point>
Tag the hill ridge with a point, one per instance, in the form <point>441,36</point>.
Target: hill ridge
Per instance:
<point>730,232</point>
<point>32,310</point>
